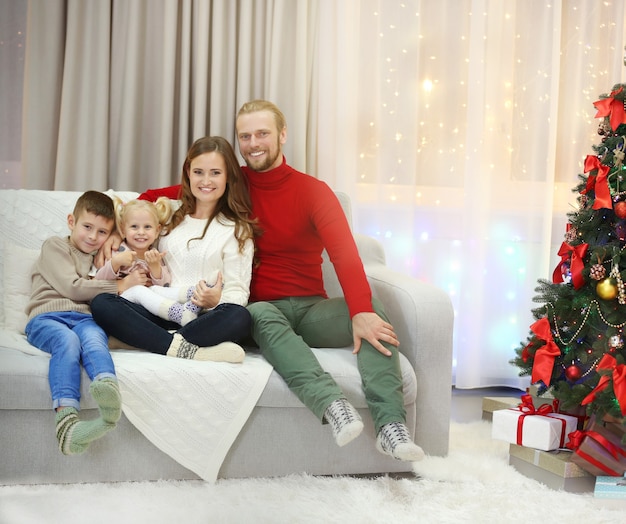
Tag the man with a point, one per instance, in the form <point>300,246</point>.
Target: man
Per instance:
<point>300,216</point>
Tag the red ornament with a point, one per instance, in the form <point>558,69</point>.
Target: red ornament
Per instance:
<point>573,372</point>
<point>620,209</point>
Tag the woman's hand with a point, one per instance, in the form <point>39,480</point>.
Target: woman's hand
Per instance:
<point>207,296</point>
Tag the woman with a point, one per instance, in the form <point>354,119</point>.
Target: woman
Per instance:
<point>208,248</point>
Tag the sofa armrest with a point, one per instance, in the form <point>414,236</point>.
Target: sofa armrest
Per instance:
<point>423,318</point>
<point>421,313</point>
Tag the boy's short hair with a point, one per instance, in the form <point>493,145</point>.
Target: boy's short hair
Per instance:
<point>95,202</point>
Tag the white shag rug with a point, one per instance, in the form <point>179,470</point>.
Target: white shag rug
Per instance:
<point>473,484</point>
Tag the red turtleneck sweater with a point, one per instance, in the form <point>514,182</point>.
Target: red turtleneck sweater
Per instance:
<point>300,216</point>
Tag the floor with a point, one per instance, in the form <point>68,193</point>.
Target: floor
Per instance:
<point>467,403</point>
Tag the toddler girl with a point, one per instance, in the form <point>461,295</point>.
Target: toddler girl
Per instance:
<point>139,223</point>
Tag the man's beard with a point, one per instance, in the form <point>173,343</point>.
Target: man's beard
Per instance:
<point>266,163</point>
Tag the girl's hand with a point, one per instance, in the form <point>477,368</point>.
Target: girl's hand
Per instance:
<point>208,296</point>
<point>153,259</point>
<point>134,278</point>
<point>122,259</point>
<point>153,256</point>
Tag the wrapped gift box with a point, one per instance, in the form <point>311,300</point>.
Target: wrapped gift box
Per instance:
<point>601,451</point>
<point>615,426</point>
<point>611,491</point>
<point>546,396</point>
<point>544,432</point>
<point>610,488</point>
<point>555,469</point>
<point>491,404</point>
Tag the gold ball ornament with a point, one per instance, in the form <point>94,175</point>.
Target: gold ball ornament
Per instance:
<point>607,288</point>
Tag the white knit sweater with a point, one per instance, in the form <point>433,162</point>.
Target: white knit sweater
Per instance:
<point>218,251</point>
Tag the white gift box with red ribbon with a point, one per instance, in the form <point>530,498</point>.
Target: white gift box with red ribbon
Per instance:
<point>533,429</point>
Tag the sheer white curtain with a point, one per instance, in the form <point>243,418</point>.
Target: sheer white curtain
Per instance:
<point>460,130</point>
<point>458,127</point>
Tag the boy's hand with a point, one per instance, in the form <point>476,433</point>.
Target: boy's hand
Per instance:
<point>104,253</point>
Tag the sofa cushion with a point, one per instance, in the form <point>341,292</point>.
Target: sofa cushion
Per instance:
<point>24,378</point>
<point>18,265</point>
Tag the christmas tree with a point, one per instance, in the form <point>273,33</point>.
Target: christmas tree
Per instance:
<point>576,345</point>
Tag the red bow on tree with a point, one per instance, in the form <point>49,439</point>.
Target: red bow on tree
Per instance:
<point>598,183</point>
<point>608,363</point>
<point>543,363</point>
<point>576,265</point>
<point>612,108</point>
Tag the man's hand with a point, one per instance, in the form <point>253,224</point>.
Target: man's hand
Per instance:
<point>371,327</point>
<point>104,253</point>
<point>208,296</point>
<point>134,278</point>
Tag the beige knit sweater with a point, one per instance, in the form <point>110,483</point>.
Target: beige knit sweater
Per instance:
<point>61,281</point>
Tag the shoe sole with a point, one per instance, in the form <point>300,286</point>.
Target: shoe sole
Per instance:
<point>405,452</point>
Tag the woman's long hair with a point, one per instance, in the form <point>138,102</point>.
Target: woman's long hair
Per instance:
<point>234,204</point>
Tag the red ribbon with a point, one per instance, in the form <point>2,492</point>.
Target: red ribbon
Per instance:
<point>543,363</point>
<point>598,182</point>
<point>608,363</point>
<point>576,439</point>
<point>528,409</point>
<point>612,108</point>
<point>597,464</point>
<point>576,265</point>
<point>526,406</point>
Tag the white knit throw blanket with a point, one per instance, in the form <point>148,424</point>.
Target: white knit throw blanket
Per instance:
<point>191,410</point>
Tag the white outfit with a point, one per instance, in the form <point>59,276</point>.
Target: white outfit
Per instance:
<point>190,261</point>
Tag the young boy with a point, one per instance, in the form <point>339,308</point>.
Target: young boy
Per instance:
<point>60,322</point>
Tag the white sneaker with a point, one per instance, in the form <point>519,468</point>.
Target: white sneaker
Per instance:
<point>344,420</point>
<point>393,439</point>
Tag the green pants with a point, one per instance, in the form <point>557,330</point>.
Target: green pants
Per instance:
<point>286,329</point>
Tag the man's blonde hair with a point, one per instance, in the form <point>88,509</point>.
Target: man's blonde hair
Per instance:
<point>254,106</point>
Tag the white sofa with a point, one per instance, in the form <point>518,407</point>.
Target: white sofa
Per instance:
<point>280,437</point>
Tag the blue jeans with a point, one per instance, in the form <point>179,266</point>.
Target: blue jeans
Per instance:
<point>135,325</point>
<point>70,338</point>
